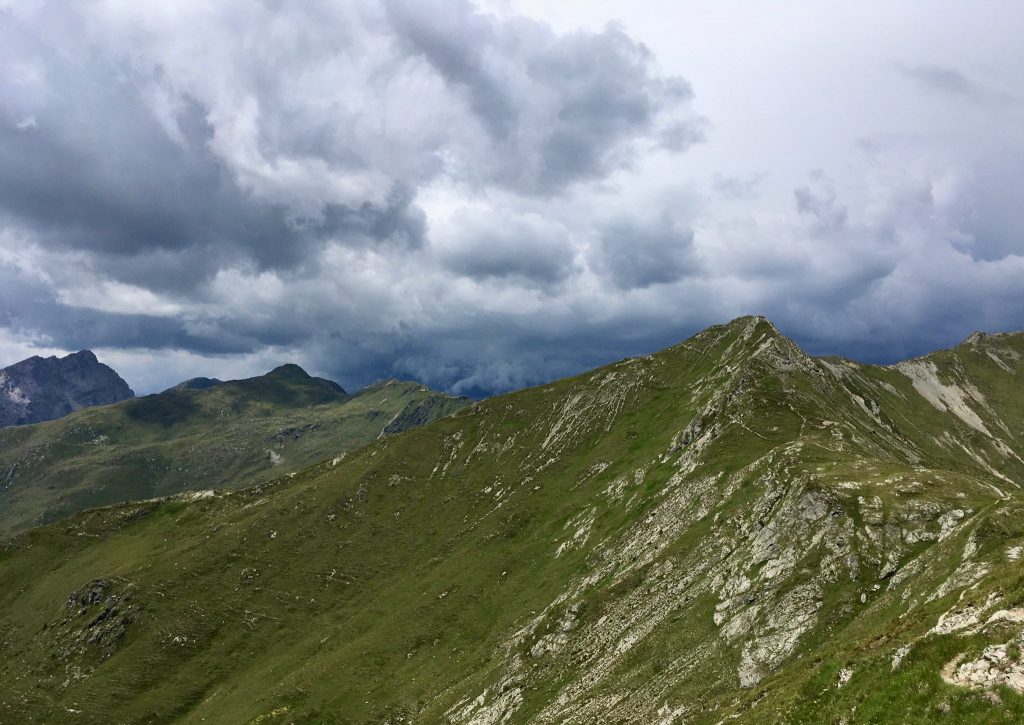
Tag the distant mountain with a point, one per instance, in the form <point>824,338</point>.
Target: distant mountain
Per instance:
<point>201,434</point>
<point>195,384</point>
<point>727,531</point>
<point>45,388</point>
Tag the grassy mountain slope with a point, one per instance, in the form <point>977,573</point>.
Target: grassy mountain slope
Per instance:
<point>231,435</point>
<point>727,529</point>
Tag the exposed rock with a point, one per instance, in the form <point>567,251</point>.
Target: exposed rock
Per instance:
<point>966,618</point>
<point>491,707</point>
<point>294,432</point>
<point>777,636</point>
<point>957,620</point>
<point>899,655</point>
<point>1007,615</point>
<point>945,397</point>
<point>39,389</point>
<point>845,675</point>
<point>97,618</point>
<point>993,668</point>
<point>413,415</point>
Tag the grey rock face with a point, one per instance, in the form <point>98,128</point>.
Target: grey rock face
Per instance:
<point>413,415</point>
<point>39,389</point>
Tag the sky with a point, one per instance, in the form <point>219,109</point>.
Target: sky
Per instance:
<point>485,196</point>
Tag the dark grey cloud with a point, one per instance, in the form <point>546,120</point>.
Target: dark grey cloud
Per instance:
<point>558,108</point>
<point>525,249</point>
<point>637,253</point>
<point>33,307</point>
<point>157,171</point>
<point>987,209</point>
<point>438,33</point>
<point>477,355</point>
<point>18,296</point>
<point>96,171</point>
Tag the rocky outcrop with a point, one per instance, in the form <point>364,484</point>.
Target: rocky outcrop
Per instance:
<point>419,412</point>
<point>994,667</point>
<point>39,389</point>
<point>97,617</point>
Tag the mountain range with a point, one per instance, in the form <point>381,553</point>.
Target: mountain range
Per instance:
<point>727,530</point>
<point>200,434</point>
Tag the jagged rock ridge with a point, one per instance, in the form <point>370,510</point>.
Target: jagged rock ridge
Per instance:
<point>39,388</point>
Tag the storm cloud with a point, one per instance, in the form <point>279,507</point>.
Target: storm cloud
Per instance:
<point>527,249</point>
<point>488,195</point>
<point>640,253</point>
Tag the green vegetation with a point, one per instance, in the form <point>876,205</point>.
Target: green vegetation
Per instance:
<point>233,435</point>
<point>727,529</point>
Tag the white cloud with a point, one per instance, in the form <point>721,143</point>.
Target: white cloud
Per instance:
<point>112,296</point>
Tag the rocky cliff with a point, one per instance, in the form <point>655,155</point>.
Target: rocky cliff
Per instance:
<point>45,388</point>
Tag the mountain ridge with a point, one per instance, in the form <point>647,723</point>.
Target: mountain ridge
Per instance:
<point>726,529</point>
<point>226,435</point>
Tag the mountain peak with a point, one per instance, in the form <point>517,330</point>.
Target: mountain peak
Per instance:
<point>199,383</point>
<point>288,370</point>
<point>754,340</point>
<point>754,323</point>
<point>289,384</point>
<point>989,338</point>
<point>38,389</point>
<point>746,338</point>
<point>744,320</point>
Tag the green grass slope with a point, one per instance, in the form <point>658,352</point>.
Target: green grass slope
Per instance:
<point>727,529</point>
<point>231,435</point>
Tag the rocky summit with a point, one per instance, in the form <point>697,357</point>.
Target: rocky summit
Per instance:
<point>45,388</point>
<point>728,530</point>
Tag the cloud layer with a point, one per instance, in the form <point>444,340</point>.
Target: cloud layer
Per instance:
<point>473,198</point>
